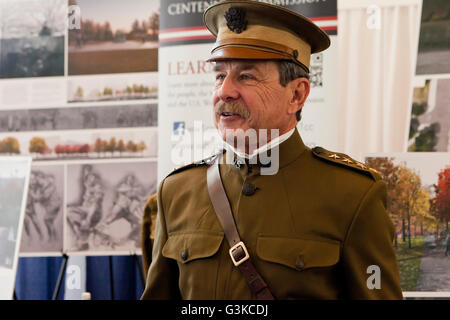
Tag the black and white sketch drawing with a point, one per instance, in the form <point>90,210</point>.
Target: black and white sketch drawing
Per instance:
<point>43,224</point>
<point>100,117</point>
<point>105,205</point>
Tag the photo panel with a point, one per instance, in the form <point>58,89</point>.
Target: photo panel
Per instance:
<point>115,37</point>
<point>430,116</point>
<point>135,143</point>
<point>434,39</point>
<point>418,203</point>
<point>76,118</point>
<point>32,38</point>
<point>88,89</point>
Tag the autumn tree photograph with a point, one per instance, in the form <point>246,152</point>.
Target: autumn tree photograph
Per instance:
<point>9,146</point>
<point>113,87</point>
<point>38,145</point>
<point>418,203</point>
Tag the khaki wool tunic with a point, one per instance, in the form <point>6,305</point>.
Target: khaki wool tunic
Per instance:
<point>312,231</point>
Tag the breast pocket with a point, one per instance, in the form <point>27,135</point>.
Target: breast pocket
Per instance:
<point>304,268</point>
<point>198,264</point>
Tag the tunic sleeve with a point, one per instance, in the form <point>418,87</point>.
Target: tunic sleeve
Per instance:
<point>369,260</point>
<point>150,209</point>
<point>162,277</point>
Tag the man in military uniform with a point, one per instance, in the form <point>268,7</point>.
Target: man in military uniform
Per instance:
<point>317,229</point>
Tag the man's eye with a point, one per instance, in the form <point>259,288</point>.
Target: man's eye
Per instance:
<point>220,76</point>
<point>247,77</point>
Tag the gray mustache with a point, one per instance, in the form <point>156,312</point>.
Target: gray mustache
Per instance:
<point>231,107</point>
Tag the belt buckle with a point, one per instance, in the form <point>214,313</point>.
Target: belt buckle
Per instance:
<point>245,258</point>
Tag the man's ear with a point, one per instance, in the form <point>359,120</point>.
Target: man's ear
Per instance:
<point>300,88</point>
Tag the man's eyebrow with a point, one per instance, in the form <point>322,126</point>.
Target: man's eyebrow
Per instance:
<point>218,67</point>
<point>247,66</point>
<point>243,67</point>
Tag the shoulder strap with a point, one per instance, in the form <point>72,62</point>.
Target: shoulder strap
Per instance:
<point>200,163</point>
<point>238,251</point>
<point>345,161</point>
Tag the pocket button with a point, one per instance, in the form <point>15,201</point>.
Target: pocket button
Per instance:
<point>299,264</point>
<point>248,189</point>
<point>184,255</point>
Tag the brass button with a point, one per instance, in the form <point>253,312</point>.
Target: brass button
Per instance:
<point>184,255</point>
<point>248,189</point>
<point>299,264</point>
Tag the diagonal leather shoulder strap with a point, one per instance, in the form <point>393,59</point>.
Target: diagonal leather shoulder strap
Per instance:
<point>238,251</point>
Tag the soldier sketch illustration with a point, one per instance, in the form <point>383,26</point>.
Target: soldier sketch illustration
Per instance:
<point>43,213</point>
<point>104,208</point>
<point>84,217</point>
<point>128,206</point>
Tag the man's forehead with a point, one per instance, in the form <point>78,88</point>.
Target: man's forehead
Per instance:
<point>241,64</point>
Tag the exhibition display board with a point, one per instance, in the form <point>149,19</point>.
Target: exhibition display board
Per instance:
<point>79,94</point>
<point>418,181</point>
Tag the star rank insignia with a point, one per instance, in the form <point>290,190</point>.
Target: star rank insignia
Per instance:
<point>334,156</point>
<point>347,160</point>
<point>359,164</point>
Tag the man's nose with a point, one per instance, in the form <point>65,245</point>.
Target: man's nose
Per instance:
<point>228,90</point>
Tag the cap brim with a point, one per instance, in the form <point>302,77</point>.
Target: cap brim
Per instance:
<point>308,30</point>
<point>227,53</point>
<point>243,53</point>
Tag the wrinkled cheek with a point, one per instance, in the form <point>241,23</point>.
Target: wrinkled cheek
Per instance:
<point>215,98</point>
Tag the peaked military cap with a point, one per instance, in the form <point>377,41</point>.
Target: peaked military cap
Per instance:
<point>256,30</point>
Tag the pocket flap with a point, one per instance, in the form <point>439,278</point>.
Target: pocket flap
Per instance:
<point>185,247</point>
<point>297,253</point>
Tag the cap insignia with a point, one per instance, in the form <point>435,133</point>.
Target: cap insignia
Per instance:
<point>236,19</point>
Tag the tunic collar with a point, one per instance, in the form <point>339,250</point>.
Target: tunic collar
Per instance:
<point>272,144</point>
<point>288,150</point>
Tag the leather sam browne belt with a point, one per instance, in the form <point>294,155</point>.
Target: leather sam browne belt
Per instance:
<point>238,251</point>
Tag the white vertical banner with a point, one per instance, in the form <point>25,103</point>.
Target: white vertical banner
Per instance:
<point>319,126</point>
